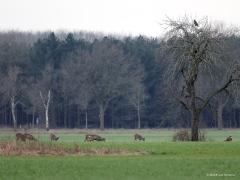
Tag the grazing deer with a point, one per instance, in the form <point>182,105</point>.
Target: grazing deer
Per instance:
<point>53,137</point>
<point>24,137</point>
<point>93,137</point>
<point>139,137</point>
<point>29,137</point>
<point>20,137</point>
<point>229,138</point>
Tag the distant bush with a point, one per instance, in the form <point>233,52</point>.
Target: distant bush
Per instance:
<point>182,135</point>
<point>185,135</point>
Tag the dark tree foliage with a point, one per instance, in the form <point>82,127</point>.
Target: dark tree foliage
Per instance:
<point>74,54</point>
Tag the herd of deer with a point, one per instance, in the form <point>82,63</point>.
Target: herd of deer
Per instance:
<point>26,136</point>
<point>53,137</point>
<point>88,137</point>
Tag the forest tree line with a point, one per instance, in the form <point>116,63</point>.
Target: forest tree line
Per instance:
<point>87,80</point>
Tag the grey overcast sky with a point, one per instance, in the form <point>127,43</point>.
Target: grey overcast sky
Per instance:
<point>110,16</point>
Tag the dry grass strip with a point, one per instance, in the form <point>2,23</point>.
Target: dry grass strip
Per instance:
<point>13,148</point>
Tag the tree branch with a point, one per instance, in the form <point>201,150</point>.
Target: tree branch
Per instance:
<point>43,101</point>
<point>210,96</point>
<point>183,103</point>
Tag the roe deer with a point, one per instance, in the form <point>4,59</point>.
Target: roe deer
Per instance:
<point>229,138</point>
<point>53,137</point>
<point>29,137</point>
<point>20,137</point>
<point>139,137</point>
<point>93,137</point>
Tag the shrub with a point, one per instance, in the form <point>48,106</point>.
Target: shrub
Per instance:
<point>182,135</point>
<point>185,135</point>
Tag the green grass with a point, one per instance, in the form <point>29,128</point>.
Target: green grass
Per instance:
<point>156,135</point>
<point>167,160</point>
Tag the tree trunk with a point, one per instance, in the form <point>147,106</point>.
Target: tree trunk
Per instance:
<point>139,118</point>
<point>193,109</point>
<point>13,113</point>
<point>33,118</point>
<point>77,116</point>
<point>47,120</point>
<point>5,115</point>
<point>65,115</point>
<point>195,124</point>
<point>101,116</point>
<point>86,119</point>
<point>46,106</point>
<point>219,116</point>
<point>46,113</point>
<point>220,108</point>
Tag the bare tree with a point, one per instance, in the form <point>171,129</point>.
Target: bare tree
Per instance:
<point>14,53</point>
<point>193,50</point>
<point>46,101</point>
<point>11,86</point>
<point>44,86</point>
<point>108,74</point>
<point>221,103</point>
<point>137,99</point>
<point>136,92</point>
<point>68,86</point>
<point>84,97</point>
<point>76,85</point>
<point>32,93</point>
<point>101,75</point>
<point>230,55</point>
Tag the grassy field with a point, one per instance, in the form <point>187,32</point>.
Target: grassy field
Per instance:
<point>213,159</point>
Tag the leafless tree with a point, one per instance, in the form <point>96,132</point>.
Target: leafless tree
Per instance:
<point>68,86</point>
<point>11,86</point>
<point>14,51</point>
<point>101,75</point>
<point>136,92</point>
<point>221,103</point>
<point>137,99</point>
<point>46,101</point>
<point>108,74</point>
<point>194,49</point>
<point>32,93</point>
<point>44,86</point>
<point>83,99</point>
<point>76,85</point>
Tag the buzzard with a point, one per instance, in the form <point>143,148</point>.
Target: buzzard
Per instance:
<point>195,22</point>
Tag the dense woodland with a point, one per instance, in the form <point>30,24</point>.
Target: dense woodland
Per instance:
<point>91,80</point>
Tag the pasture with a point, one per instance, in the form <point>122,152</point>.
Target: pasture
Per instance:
<point>212,159</point>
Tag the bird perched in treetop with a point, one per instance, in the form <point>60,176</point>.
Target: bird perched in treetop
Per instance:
<point>195,22</point>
